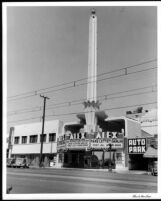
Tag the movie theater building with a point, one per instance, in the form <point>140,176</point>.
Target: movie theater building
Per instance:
<point>94,141</point>
<point>25,142</point>
<point>97,141</point>
<point>109,145</point>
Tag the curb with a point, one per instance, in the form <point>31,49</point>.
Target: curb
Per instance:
<point>96,170</point>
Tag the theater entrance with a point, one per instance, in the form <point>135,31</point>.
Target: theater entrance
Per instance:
<point>74,159</point>
<point>89,159</point>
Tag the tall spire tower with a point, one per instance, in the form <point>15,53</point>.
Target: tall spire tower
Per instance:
<point>92,58</point>
<point>91,105</point>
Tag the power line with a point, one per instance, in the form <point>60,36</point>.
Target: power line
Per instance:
<point>36,92</point>
<point>82,84</point>
<point>73,113</point>
<point>106,97</point>
<point>53,107</point>
<point>116,76</point>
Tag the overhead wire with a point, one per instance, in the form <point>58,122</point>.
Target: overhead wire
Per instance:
<point>36,109</point>
<point>73,113</point>
<point>37,92</point>
<point>54,107</point>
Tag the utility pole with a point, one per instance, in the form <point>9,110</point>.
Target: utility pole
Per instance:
<point>41,138</point>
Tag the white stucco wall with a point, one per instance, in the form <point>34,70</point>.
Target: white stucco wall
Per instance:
<point>133,128</point>
<point>35,129</point>
<point>34,148</point>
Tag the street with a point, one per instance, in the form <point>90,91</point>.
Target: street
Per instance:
<point>26,181</point>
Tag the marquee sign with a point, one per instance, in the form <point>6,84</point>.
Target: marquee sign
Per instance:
<point>83,135</point>
<point>77,144</point>
<point>94,143</point>
<point>104,143</point>
<point>137,146</point>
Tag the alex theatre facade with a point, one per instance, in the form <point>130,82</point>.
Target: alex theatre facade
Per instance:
<point>107,146</point>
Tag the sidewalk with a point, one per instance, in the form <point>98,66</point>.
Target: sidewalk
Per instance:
<point>120,171</point>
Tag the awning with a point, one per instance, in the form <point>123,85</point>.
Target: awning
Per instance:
<point>151,153</point>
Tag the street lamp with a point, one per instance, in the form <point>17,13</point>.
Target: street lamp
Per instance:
<point>110,165</point>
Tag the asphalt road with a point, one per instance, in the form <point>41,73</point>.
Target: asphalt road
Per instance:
<point>77,181</point>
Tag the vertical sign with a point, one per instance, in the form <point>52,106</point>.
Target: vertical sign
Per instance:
<point>137,146</point>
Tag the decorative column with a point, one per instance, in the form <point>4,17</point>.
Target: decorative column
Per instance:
<point>91,105</point>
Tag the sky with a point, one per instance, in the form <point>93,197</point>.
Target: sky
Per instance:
<point>48,46</point>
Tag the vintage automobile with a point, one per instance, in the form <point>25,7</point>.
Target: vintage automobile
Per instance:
<point>10,162</point>
<point>154,169</point>
<point>20,163</point>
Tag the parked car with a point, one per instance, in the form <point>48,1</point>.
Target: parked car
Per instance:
<point>21,162</point>
<point>154,170</point>
<point>10,162</point>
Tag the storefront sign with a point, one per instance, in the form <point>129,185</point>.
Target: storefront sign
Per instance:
<point>137,146</point>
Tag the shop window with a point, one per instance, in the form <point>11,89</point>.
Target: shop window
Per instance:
<point>52,137</point>
<point>24,139</point>
<point>44,138</point>
<point>16,140</point>
<point>33,138</point>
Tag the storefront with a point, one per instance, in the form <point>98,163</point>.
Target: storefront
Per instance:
<point>102,149</point>
<point>91,153</point>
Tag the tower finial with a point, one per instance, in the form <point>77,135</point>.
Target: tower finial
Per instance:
<point>93,12</point>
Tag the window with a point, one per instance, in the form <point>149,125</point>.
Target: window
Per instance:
<point>44,138</point>
<point>24,139</point>
<point>33,138</point>
<point>17,140</point>
<point>52,137</point>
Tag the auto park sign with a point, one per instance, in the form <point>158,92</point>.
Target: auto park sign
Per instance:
<point>137,146</point>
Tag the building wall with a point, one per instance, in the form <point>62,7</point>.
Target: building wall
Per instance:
<point>35,129</point>
<point>133,128</point>
<point>34,148</point>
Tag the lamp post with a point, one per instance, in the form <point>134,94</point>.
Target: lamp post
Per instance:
<point>110,165</point>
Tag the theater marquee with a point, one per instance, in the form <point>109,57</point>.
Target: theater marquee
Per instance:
<point>87,144</point>
<point>137,146</point>
<point>104,143</point>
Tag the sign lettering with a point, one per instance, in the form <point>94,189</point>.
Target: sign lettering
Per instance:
<point>137,146</point>
<point>94,143</point>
